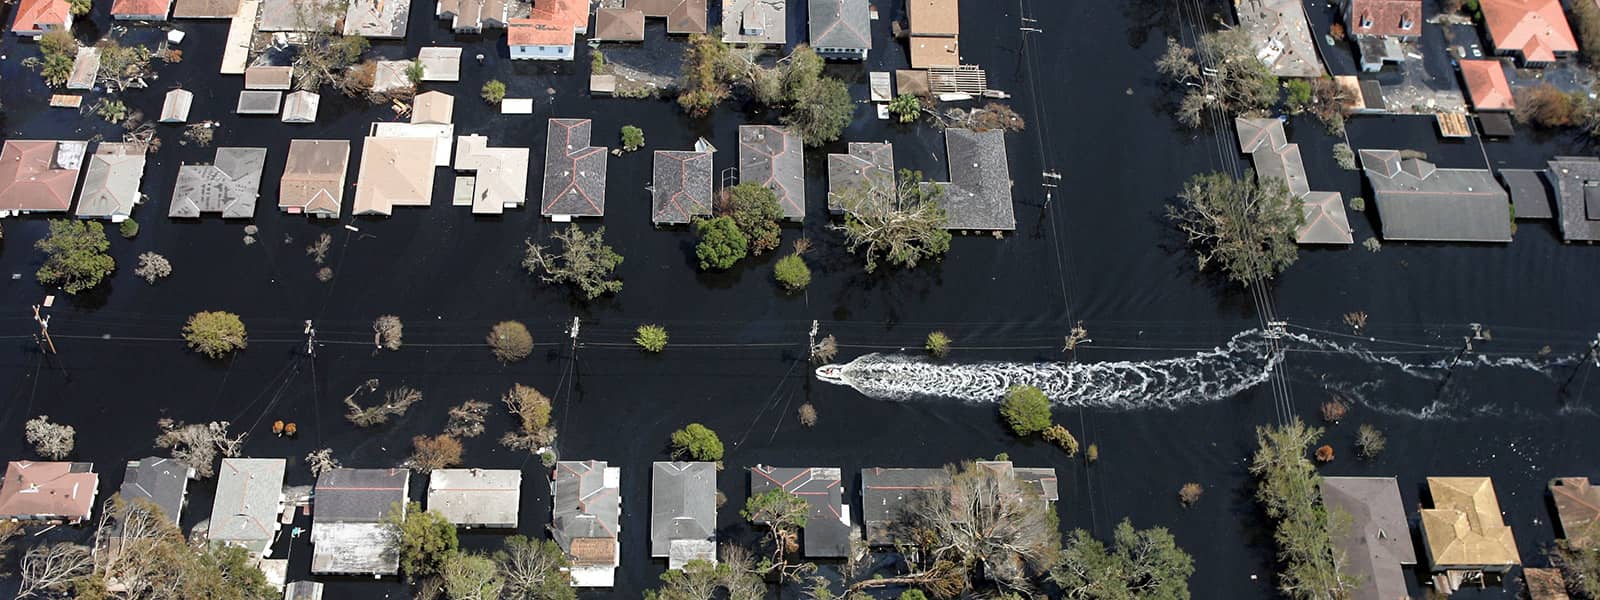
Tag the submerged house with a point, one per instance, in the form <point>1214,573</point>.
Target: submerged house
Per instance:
<point>472,16</point>
<point>140,10</point>
<point>499,177</point>
<point>476,497</point>
<point>683,512</point>
<point>1274,157</point>
<point>828,529</point>
<point>55,492</point>
<point>1378,27</point>
<point>1464,530</point>
<point>1487,86</point>
<point>163,482</point>
<point>887,493</point>
<point>1577,510</point>
<point>841,29</point>
<point>1534,31</point>
<point>39,175</point>
<point>683,16</point>
<point>37,17</point>
<point>774,158</point>
<point>574,172</point>
<point>1377,544</point>
<point>755,22</point>
<point>313,178</point>
<point>585,520</point>
<point>377,19</point>
<point>175,108</point>
<point>394,171</point>
<point>351,532</point>
<point>1420,202</point>
<point>868,165</point>
<point>1577,183</point>
<point>934,33</point>
<point>978,195</point>
<point>248,500</point>
<point>228,186</point>
<point>680,187</point>
<point>550,31</point>
<point>111,182</point>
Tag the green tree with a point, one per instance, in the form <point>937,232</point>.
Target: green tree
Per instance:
<point>938,344</point>
<point>905,108</point>
<point>721,243</point>
<point>702,84</point>
<point>782,512</point>
<point>56,69</point>
<point>755,209</point>
<point>1140,565</point>
<point>653,338</point>
<point>632,138</point>
<point>903,225</point>
<point>822,113</point>
<point>1299,93</point>
<point>75,255</point>
<point>697,442</point>
<point>1245,226</point>
<point>1026,410</point>
<point>533,570</point>
<point>79,8</point>
<point>129,228</point>
<point>494,91</point>
<point>471,576</point>
<point>58,42</point>
<point>227,573</point>
<point>585,261</point>
<point>792,272</point>
<point>427,540</point>
<point>1289,489</point>
<point>215,333</point>
<point>415,71</point>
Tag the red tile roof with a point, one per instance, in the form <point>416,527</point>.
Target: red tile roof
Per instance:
<point>552,23</point>
<point>48,490</point>
<point>1402,18</point>
<point>140,7</point>
<point>41,15</point>
<point>30,179</point>
<point>1486,83</point>
<point>1537,28</point>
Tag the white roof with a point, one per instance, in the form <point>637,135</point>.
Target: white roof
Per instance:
<point>443,132</point>
<point>486,497</point>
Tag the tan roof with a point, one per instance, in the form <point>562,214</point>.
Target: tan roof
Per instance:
<point>1536,28</point>
<point>1545,584</point>
<point>175,109</point>
<point>619,24</point>
<point>205,9</point>
<point>433,107</point>
<point>1578,509</point>
<point>683,16</point>
<point>1464,528</point>
<point>590,552</point>
<point>313,178</point>
<point>935,52</point>
<point>502,174</point>
<point>39,175</point>
<point>48,490</point>
<point>1486,83</point>
<point>934,17</point>
<point>395,171</point>
<point>268,78</point>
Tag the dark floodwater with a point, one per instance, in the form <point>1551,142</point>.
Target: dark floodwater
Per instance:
<point>1099,253</point>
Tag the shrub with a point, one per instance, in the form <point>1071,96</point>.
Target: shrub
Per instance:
<point>494,91</point>
<point>1058,435</point>
<point>1092,454</point>
<point>1370,442</point>
<point>510,341</point>
<point>1343,155</point>
<point>938,344</point>
<point>653,338</point>
<point>696,442</point>
<point>437,452</point>
<point>1325,453</point>
<point>415,71</point>
<point>547,458</point>
<point>215,333</point>
<point>1358,204</point>
<point>632,138</point>
<point>79,8</point>
<point>75,255</point>
<point>128,228</point>
<point>1372,244</point>
<point>792,272</point>
<point>1026,410</point>
<point>808,415</point>
<point>1190,493</point>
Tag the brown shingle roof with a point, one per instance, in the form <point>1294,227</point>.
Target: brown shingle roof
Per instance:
<point>934,17</point>
<point>395,171</point>
<point>619,24</point>
<point>588,552</point>
<point>35,176</point>
<point>205,9</point>
<point>313,177</point>
<point>683,16</point>
<point>1578,509</point>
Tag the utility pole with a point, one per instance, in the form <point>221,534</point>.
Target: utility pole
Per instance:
<point>812,344</point>
<point>311,339</point>
<point>44,328</point>
<point>1051,180</point>
<point>1594,358</point>
<point>574,333</point>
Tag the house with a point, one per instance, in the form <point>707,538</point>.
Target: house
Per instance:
<point>978,195</point>
<point>1544,584</point>
<point>828,529</point>
<point>56,492</point>
<point>391,76</point>
<point>377,19</point>
<point>1377,542</point>
<point>866,165</point>
<point>1577,509</point>
<point>886,493</point>
<point>85,68</point>
<point>313,178</point>
<point>574,172</point>
<point>680,187</point>
<point>205,9</point>
<point>39,175</point>
<point>1421,202</point>
<point>1378,27</point>
<point>303,590</point>
<point>1274,157</point>
<point>683,512</point>
<point>300,107</point>
<point>1577,184</point>
<point>259,102</point>
<point>840,29</point>
<point>934,33</point>
<point>755,22</point>
<point>248,500</point>
<point>1282,36</point>
<point>140,10</point>
<point>269,78</point>
<point>773,157</point>
<point>175,109</point>
<point>1487,85</point>
<point>351,532</point>
<point>500,175</point>
<point>163,482</point>
<point>443,135</point>
<point>586,505</point>
<point>300,15</point>
<point>618,25</point>
<point>472,16</point>
<point>111,182</point>
<point>1530,192</point>
<point>440,64</point>
<point>683,16</point>
<point>228,186</point>
<point>37,17</point>
<point>434,107</point>
<point>476,497</point>
<point>394,171</point>
<point>549,32</point>
<point>1534,31</point>
<point>1464,530</point>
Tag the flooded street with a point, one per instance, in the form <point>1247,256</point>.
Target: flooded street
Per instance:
<point>1099,251</point>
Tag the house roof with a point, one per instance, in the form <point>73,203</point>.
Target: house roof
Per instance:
<point>301,107</point>
<point>869,164</point>
<point>175,109</point>
<point>245,509</point>
<point>619,24</point>
<point>683,16</point>
<point>1537,28</point>
<point>585,509</point>
<point>440,64</point>
<point>828,528</point>
<point>297,15</point>
<point>681,186</point>
<point>268,78</point>
<point>1325,220</point>
<point>230,185</point>
<point>979,193</point>
<point>39,175</point>
<point>884,493</point>
<point>205,9</point>
<point>111,182</point>
<point>259,102</point>
<point>551,23</point>
<point>48,491</point>
<point>840,23</point>
<point>472,15</point>
<point>40,15</point>
<point>1418,201</point>
<point>1578,509</point>
<point>162,482</point>
<point>934,51</point>
<point>140,8</point>
<point>433,107</point>
<point>574,171</point>
<point>1384,17</point>
<point>303,590</point>
<point>1464,528</point>
<point>683,504</point>
<point>768,17</point>
<point>476,497</point>
<point>1260,134</point>
<point>1487,85</point>
<point>389,75</point>
<point>501,179</point>
<point>85,67</point>
<point>377,18</point>
<point>313,177</point>
<point>934,17</point>
<point>355,549</point>
<point>1545,584</point>
<point>1577,184</point>
<point>774,157</point>
<point>1378,541</point>
<point>1530,192</point>
<point>359,495</point>
<point>443,134</point>
<point>1039,480</point>
<point>395,171</point>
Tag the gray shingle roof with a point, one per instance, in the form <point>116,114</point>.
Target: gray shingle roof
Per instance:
<point>840,24</point>
<point>249,495</point>
<point>1530,192</point>
<point>683,504</point>
<point>828,528</point>
<point>979,193</point>
<point>1325,220</point>
<point>868,164</point>
<point>111,181</point>
<point>160,481</point>
<point>1378,541</point>
<point>359,495</point>
<point>228,186</point>
<point>574,171</point>
<point>476,497</point>
<point>774,157</point>
<point>884,493</point>
<point>1418,201</point>
<point>1577,183</point>
<point>682,186</point>
<point>585,505</point>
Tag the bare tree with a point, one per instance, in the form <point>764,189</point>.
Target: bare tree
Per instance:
<point>532,410</point>
<point>130,546</point>
<point>152,267</point>
<point>49,569</point>
<point>902,224</point>
<point>585,262</point>
<point>318,250</point>
<point>530,567</point>
<point>1221,72</point>
<point>321,461</point>
<point>466,420</point>
<point>825,349</point>
<point>51,440</point>
<point>198,445</point>
<point>387,331</point>
<point>396,402</point>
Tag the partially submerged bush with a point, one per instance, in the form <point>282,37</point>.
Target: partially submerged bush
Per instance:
<point>1370,442</point>
<point>466,419</point>
<point>1058,435</point>
<point>387,332</point>
<point>50,440</point>
<point>808,415</point>
<point>1190,493</point>
<point>1026,410</point>
<point>938,344</point>
<point>792,272</point>
<point>215,333</point>
<point>510,341</point>
<point>152,267</point>
<point>437,452</point>
<point>652,338</point>
<point>696,442</point>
